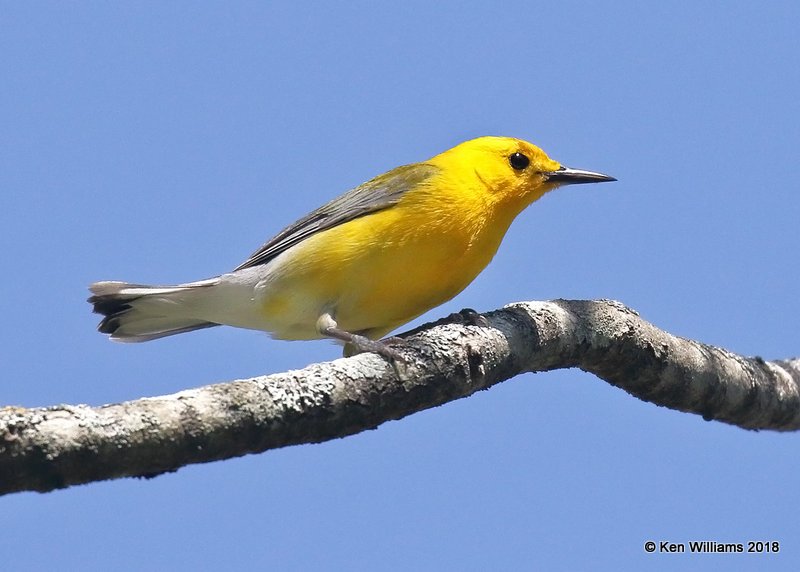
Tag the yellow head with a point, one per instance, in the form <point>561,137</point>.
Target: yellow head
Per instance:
<point>511,173</point>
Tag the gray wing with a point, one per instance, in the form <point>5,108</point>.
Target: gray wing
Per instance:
<point>376,194</point>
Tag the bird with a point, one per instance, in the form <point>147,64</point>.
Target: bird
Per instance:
<point>363,264</point>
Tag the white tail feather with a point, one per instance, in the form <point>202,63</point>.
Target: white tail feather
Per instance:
<point>138,313</point>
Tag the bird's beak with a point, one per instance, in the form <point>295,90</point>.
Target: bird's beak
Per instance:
<point>567,176</point>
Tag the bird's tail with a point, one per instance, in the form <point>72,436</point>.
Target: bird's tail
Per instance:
<point>139,313</point>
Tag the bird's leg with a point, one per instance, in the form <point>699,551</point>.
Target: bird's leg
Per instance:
<point>328,327</point>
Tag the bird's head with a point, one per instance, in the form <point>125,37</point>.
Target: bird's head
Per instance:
<point>514,172</point>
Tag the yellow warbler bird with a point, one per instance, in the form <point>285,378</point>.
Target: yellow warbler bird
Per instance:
<point>365,263</point>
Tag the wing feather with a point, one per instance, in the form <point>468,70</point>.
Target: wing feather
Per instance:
<point>375,195</point>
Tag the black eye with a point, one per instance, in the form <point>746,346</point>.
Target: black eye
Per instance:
<point>518,161</point>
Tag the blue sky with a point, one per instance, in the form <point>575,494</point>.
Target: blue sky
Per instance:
<point>163,142</point>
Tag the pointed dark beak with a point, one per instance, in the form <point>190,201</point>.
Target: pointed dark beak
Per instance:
<point>567,176</point>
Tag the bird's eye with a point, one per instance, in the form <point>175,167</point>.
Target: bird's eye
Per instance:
<point>518,161</point>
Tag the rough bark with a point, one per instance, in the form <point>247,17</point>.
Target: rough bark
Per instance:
<point>53,447</point>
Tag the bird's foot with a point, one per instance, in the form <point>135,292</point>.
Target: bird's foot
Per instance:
<point>361,344</point>
<point>468,317</point>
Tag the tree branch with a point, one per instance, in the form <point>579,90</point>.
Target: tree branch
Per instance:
<point>48,448</point>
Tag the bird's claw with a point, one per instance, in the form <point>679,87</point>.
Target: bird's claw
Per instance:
<point>362,344</point>
<point>469,317</point>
